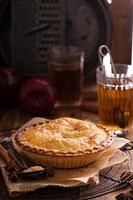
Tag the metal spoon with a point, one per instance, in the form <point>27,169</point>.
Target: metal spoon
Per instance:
<point>17,167</point>
<point>106,60</point>
<point>13,153</point>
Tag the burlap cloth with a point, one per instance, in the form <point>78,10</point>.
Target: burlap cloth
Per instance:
<point>69,177</point>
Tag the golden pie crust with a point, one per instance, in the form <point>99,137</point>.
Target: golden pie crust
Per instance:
<point>63,143</point>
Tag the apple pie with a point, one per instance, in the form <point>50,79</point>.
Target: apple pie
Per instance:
<point>63,142</point>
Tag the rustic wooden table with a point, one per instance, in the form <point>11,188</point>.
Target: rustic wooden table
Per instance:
<point>14,118</point>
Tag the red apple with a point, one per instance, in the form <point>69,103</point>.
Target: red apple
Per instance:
<point>37,95</point>
<point>10,79</point>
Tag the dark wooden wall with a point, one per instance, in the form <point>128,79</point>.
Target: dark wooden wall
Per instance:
<point>122,30</point>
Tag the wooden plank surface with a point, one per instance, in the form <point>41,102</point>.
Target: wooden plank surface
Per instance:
<point>122,30</point>
<point>15,117</point>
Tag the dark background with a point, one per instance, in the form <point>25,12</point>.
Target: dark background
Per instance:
<point>120,41</point>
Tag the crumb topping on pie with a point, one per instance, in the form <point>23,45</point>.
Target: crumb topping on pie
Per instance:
<point>64,135</point>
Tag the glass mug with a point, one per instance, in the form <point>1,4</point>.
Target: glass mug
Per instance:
<point>115,97</point>
<point>65,67</point>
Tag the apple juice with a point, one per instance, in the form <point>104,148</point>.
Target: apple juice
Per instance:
<point>116,105</point>
<point>68,78</point>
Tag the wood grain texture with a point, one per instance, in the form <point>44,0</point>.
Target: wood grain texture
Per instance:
<point>122,30</point>
<point>15,117</point>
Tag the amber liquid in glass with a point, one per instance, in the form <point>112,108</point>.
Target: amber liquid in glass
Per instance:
<point>68,81</point>
<point>116,106</point>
